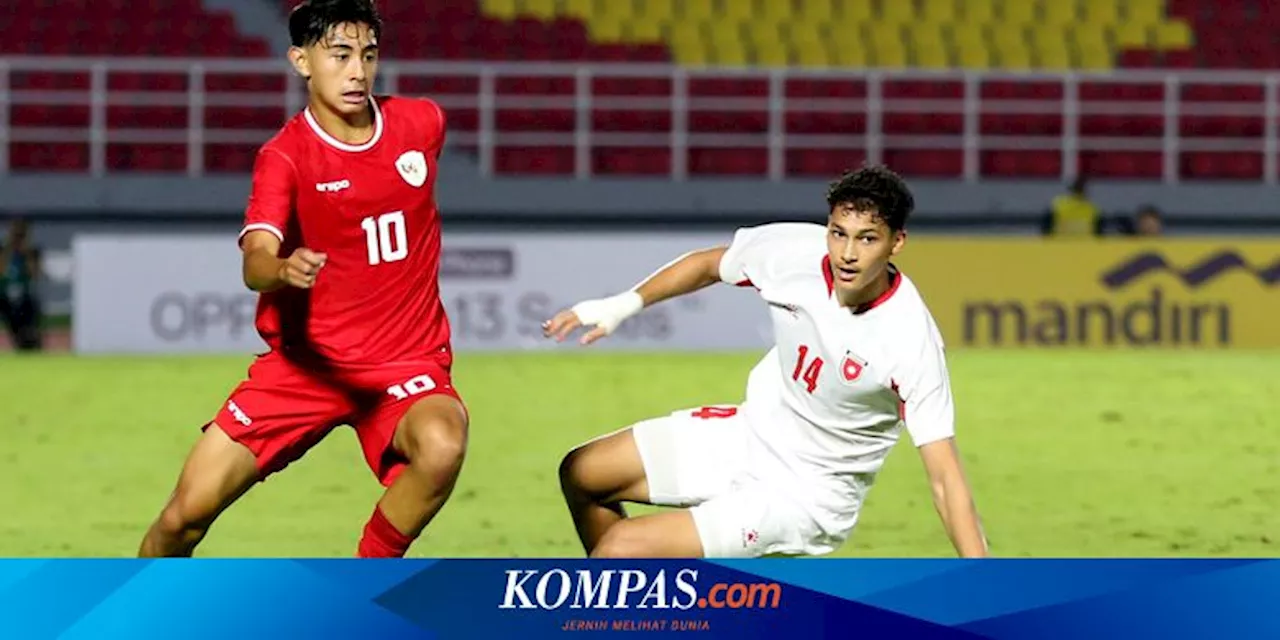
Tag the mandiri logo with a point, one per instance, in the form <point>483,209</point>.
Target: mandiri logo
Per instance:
<point>1194,276</point>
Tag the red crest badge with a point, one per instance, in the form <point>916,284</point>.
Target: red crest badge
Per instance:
<point>851,367</point>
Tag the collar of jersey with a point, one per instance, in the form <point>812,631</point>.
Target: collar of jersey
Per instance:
<point>884,297</point>
<point>340,145</point>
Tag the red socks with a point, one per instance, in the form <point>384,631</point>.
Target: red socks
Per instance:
<point>381,539</point>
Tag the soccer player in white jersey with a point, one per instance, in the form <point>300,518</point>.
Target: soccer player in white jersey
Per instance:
<point>856,356</point>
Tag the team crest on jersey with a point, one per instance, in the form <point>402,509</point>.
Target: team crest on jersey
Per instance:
<point>851,367</point>
<point>412,166</point>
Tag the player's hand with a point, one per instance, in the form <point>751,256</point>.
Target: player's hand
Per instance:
<point>560,326</point>
<point>603,316</point>
<point>301,268</point>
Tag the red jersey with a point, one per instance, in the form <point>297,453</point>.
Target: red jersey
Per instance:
<point>371,208</point>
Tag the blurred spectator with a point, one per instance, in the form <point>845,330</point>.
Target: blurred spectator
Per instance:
<point>1072,214</point>
<point>1148,222</point>
<point>19,275</point>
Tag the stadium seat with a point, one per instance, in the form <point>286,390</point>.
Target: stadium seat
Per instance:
<point>1122,165</point>
<point>631,162</point>
<point>1222,166</point>
<point>1021,164</point>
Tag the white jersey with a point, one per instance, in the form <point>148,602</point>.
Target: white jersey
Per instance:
<point>828,402</point>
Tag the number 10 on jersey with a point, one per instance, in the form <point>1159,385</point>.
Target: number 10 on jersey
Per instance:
<point>385,237</point>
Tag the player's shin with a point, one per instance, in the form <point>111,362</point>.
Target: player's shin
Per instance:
<point>591,519</point>
<point>169,540</point>
<point>407,507</point>
<point>381,539</point>
<point>592,515</point>
<point>432,437</point>
<point>596,478</point>
<point>217,472</point>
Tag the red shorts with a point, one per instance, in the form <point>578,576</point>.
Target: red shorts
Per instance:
<point>283,408</point>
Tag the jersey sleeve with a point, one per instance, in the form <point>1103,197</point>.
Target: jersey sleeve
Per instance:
<point>925,390</point>
<point>271,199</point>
<point>438,128</point>
<point>744,256</point>
<point>756,254</point>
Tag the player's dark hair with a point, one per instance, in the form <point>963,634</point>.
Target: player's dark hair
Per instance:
<point>311,20</point>
<point>875,189</point>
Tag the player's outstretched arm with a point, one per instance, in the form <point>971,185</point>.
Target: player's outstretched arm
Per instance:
<point>686,274</point>
<point>953,498</point>
<point>264,271</point>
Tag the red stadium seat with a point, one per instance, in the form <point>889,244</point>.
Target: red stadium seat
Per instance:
<point>1222,166</point>
<point>1122,165</point>
<point>44,157</point>
<point>539,160</point>
<point>229,158</point>
<point>631,161</point>
<point>1181,59</point>
<point>728,162</point>
<point>172,118</point>
<point>1022,124</point>
<point>44,116</point>
<point>728,122</point>
<point>824,88</point>
<point>151,158</point>
<point>1021,164</point>
<point>631,121</point>
<point>822,163</point>
<point>915,163</point>
<point>923,123</point>
<point>516,120</point>
<point>805,122</point>
<point>1139,59</point>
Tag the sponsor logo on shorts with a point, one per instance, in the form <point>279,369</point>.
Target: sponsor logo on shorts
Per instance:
<point>238,413</point>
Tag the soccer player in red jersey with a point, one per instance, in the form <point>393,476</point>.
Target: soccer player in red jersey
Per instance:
<point>342,239</point>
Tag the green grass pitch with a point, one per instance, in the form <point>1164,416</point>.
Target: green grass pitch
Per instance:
<point>1070,454</point>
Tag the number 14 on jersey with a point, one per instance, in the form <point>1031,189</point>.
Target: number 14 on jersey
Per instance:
<point>811,372</point>
<point>385,237</point>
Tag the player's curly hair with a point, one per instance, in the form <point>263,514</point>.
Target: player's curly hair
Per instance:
<point>876,189</point>
<point>311,20</point>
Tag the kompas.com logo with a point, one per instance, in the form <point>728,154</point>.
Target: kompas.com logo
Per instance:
<point>631,588</point>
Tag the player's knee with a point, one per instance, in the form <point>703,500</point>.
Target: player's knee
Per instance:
<point>590,472</point>
<point>184,516</point>
<point>620,541</point>
<point>437,446</point>
<point>571,472</point>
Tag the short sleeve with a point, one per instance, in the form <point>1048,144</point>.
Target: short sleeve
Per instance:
<point>925,390</point>
<point>438,127</point>
<point>271,199</point>
<point>744,254</point>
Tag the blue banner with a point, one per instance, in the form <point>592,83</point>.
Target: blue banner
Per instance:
<point>1003,599</point>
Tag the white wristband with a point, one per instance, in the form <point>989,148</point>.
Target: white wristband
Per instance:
<point>608,313</point>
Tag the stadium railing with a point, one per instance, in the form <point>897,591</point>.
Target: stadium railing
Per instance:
<point>1159,113</point>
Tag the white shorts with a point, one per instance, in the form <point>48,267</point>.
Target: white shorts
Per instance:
<point>696,458</point>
